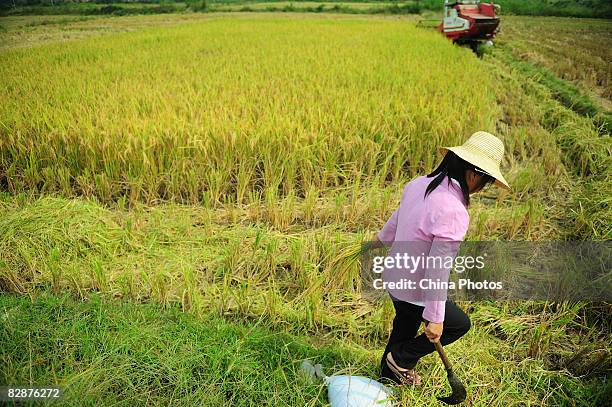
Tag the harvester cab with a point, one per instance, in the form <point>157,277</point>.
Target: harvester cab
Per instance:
<point>469,22</point>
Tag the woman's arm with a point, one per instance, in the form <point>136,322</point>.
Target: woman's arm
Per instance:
<point>448,229</point>
<point>387,233</point>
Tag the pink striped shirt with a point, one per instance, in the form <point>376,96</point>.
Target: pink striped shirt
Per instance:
<point>441,217</point>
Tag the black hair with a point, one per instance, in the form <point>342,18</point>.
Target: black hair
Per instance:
<point>455,167</point>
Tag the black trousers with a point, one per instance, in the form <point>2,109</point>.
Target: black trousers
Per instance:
<point>406,347</point>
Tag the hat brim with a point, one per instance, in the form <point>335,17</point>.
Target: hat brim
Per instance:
<point>488,166</point>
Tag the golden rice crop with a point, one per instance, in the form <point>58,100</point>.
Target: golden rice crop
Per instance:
<point>235,110</point>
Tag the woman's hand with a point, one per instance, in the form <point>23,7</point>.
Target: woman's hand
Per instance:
<point>433,331</point>
<point>376,243</point>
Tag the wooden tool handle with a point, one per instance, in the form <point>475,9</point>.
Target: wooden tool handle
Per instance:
<point>443,356</point>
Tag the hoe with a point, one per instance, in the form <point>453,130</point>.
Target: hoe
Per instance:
<point>458,393</point>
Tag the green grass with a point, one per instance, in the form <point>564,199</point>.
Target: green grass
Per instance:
<point>122,353</point>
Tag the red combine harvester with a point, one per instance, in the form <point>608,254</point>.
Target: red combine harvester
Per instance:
<point>469,22</point>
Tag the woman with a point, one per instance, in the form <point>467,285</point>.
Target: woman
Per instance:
<point>433,209</point>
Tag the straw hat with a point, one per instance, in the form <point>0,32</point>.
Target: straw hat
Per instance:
<point>485,151</point>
